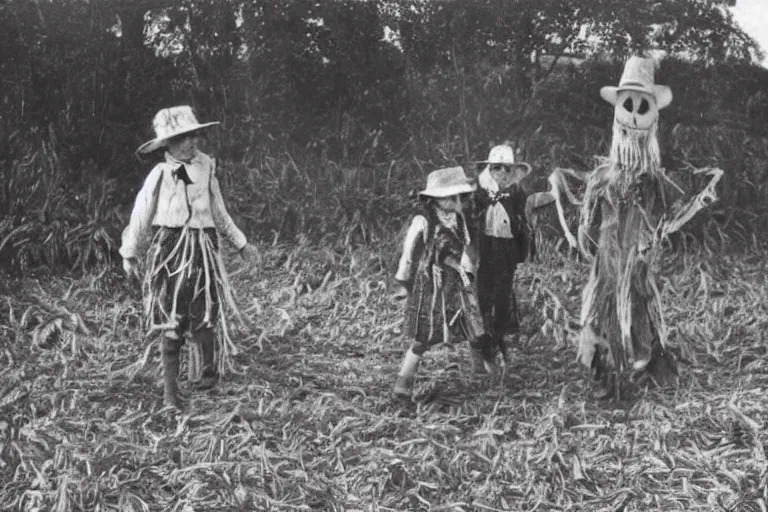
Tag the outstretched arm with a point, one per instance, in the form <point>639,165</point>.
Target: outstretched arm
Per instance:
<point>558,187</point>
<point>682,213</point>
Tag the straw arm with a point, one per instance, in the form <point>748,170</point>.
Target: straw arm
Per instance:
<point>684,213</point>
<point>557,186</point>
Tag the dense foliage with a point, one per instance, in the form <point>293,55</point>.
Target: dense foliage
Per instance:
<point>355,98</point>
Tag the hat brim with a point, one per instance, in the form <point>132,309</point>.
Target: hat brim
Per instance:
<point>662,93</point>
<point>448,191</point>
<point>159,142</point>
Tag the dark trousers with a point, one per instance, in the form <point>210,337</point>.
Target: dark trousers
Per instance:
<point>499,258</point>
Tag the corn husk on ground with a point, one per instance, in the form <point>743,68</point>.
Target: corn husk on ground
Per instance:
<point>307,422</point>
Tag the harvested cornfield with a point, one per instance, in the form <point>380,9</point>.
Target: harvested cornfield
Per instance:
<point>308,423</point>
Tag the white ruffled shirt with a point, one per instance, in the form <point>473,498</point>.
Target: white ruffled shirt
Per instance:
<point>497,223</point>
<point>165,200</point>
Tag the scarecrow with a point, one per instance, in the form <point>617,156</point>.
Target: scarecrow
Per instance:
<point>503,238</point>
<point>621,321</point>
<point>185,284</point>
<point>436,273</point>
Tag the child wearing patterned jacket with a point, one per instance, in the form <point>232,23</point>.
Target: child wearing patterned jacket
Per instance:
<point>437,274</point>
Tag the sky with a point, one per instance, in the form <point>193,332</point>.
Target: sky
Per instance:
<point>752,16</point>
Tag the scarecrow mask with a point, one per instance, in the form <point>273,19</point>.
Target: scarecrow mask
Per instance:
<point>501,170</point>
<point>636,110</point>
<point>637,99</point>
<point>507,175</point>
<point>636,102</point>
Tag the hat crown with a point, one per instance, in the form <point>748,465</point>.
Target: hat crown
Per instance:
<point>447,182</point>
<point>638,71</point>
<point>445,178</point>
<point>173,120</point>
<point>638,76</point>
<point>502,154</point>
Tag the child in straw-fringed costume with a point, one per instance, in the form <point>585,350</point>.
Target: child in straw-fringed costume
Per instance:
<point>436,272</point>
<point>622,321</point>
<point>185,285</point>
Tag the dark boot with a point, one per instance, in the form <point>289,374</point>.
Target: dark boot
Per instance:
<point>482,353</point>
<point>171,350</point>
<point>478,362</point>
<point>209,377</point>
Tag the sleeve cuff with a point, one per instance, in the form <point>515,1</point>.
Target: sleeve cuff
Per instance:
<point>126,253</point>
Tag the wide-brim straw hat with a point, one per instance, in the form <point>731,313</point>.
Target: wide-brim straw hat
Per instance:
<point>447,182</point>
<point>504,154</point>
<point>172,122</point>
<point>638,76</point>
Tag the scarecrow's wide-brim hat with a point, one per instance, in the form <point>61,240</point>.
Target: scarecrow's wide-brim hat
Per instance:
<point>638,76</point>
<point>172,122</point>
<point>503,154</point>
<point>447,182</point>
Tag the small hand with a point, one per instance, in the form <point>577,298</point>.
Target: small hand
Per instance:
<point>401,292</point>
<point>130,266</point>
<point>250,253</point>
<point>465,278</point>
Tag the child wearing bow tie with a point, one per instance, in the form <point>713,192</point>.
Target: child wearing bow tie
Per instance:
<point>504,240</point>
<point>185,284</point>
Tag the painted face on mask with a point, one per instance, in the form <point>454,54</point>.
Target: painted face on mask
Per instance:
<point>635,110</point>
<point>451,204</point>
<point>506,175</point>
<point>635,127</point>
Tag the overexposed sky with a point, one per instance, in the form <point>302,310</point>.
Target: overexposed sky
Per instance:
<point>752,16</point>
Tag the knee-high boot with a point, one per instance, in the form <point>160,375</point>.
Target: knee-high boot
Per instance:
<point>209,378</point>
<point>171,350</point>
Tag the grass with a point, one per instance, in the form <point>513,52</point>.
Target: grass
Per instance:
<point>308,423</point>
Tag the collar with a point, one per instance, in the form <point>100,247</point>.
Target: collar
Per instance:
<point>447,219</point>
<point>176,162</point>
<point>486,181</point>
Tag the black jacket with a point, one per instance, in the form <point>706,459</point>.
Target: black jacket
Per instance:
<point>513,200</point>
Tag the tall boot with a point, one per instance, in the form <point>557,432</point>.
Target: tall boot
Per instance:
<point>407,375</point>
<point>171,350</point>
<point>481,352</point>
<point>209,377</point>
<point>478,362</point>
